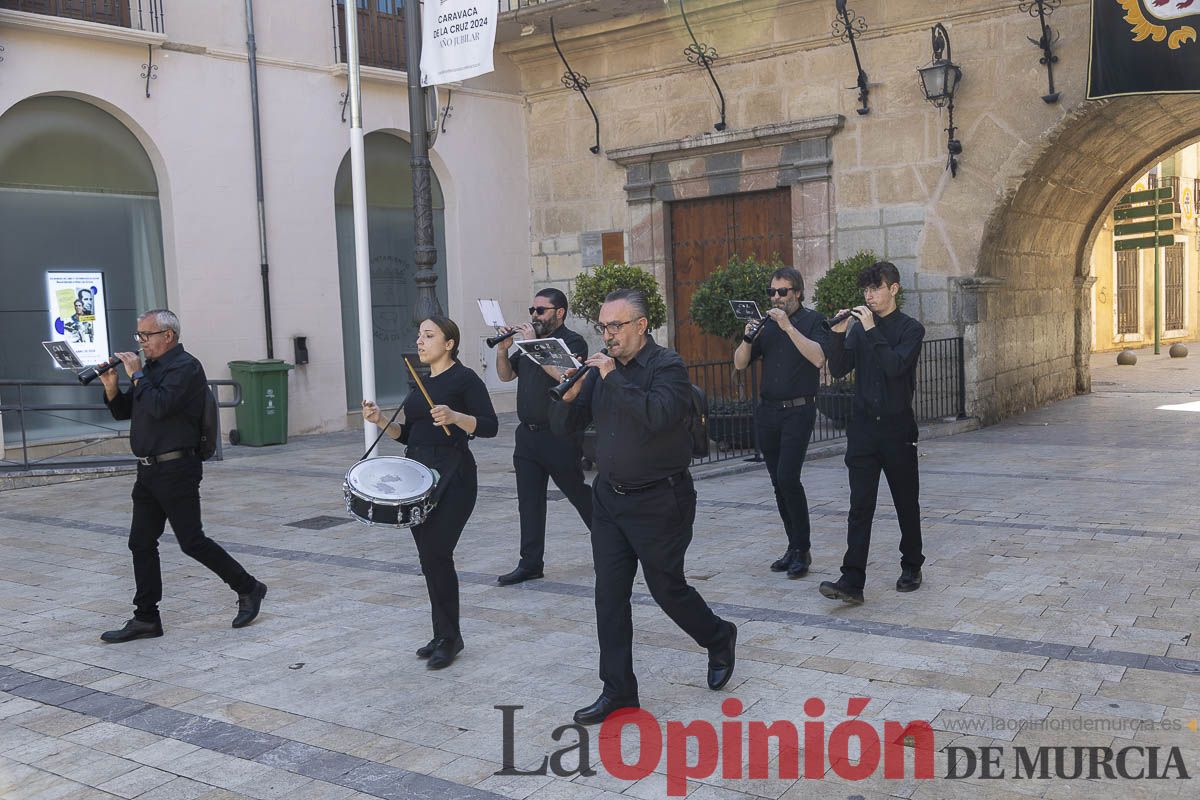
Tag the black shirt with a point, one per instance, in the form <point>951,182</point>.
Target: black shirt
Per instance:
<point>534,385</point>
<point>787,374</point>
<point>462,390</point>
<point>165,407</point>
<point>884,360</point>
<point>641,413</point>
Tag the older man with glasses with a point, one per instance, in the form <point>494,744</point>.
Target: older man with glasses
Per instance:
<point>643,497</point>
<point>539,455</point>
<point>165,405</point>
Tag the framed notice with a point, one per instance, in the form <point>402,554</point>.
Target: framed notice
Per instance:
<point>78,312</point>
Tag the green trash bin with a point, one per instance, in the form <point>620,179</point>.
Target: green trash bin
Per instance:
<point>262,416</point>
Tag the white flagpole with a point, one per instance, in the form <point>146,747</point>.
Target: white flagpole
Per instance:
<point>362,256</point>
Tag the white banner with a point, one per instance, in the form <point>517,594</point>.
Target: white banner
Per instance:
<point>78,314</point>
<point>457,37</point>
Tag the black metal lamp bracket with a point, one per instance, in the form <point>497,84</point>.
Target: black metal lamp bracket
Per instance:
<point>1040,10</point>
<point>847,26</point>
<point>149,69</point>
<point>576,82</point>
<point>705,56</point>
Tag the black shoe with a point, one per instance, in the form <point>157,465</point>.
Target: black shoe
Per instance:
<point>841,591</point>
<point>598,711</point>
<point>519,575</point>
<point>444,652</point>
<point>721,659</point>
<point>427,650</point>
<point>248,605</point>
<point>134,629</point>
<point>784,561</point>
<point>799,566</point>
<point>910,579</point>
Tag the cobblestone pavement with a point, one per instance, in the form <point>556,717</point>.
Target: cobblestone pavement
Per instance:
<point>1061,593</point>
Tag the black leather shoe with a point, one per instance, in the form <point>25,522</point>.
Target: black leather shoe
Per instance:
<point>721,660</point>
<point>910,580</point>
<point>598,711</point>
<point>427,650</point>
<point>248,605</point>
<point>134,629</point>
<point>841,591</point>
<point>783,562</point>
<point>519,575</point>
<point>444,652</point>
<point>800,564</point>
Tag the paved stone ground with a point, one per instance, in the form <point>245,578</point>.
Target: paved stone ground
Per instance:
<point>1061,589</point>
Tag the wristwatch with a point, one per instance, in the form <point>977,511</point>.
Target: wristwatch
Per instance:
<point>137,376</point>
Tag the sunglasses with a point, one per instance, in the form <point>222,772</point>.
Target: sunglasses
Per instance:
<point>781,292</point>
<point>539,310</point>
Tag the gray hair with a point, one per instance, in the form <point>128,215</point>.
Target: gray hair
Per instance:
<point>635,298</point>
<point>164,318</point>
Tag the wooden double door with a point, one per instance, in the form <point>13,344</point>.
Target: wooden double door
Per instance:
<point>705,233</point>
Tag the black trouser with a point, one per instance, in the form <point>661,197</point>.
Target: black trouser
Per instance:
<point>782,435</point>
<point>538,456</point>
<point>170,492</point>
<point>890,446</point>
<point>438,535</point>
<point>653,527</point>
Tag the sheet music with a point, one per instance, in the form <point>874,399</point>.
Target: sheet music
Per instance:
<point>492,315</point>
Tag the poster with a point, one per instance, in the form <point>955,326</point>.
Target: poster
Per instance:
<point>1144,47</point>
<point>457,37</point>
<point>78,313</point>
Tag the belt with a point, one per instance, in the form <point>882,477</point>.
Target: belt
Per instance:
<point>535,428</point>
<point>149,461</point>
<point>670,480</point>
<point>793,403</point>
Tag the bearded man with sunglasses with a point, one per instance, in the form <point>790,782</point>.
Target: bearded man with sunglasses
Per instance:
<point>165,405</point>
<point>790,344</point>
<point>539,454</point>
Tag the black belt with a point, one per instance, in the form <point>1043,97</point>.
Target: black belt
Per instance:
<point>535,428</point>
<point>670,480</point>
<point>793,403</point>
<point>149,461</point>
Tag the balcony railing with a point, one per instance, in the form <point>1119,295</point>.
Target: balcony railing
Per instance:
<point>142,15</point>
<point>380,33</point>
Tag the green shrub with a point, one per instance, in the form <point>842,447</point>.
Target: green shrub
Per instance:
<point>593,285</point>
<point>740,279</point>
<point>839,289</point>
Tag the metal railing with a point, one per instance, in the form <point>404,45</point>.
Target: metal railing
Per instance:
<point>380,33</point>
<point>20,409</point>
<point>941,393</point>
<point>142,15</point>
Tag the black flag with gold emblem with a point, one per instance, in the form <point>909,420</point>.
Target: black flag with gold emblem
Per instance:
<point>1144,47</point>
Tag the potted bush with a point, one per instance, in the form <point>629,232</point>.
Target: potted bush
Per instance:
<point>836,289</point>
<point>591,287</point>
<point>731,420</point>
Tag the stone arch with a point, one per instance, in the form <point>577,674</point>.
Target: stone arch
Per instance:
<point>1030,300</point>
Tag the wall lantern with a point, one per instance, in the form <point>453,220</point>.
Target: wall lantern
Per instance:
<point>939,80</point>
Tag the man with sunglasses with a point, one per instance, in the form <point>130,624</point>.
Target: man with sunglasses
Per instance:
<point>790,344</point>
<point>540,455</point>
<point>639,396</point>
<point>165,405</point>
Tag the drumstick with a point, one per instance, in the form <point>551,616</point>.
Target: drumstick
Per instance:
<point>421,386</point>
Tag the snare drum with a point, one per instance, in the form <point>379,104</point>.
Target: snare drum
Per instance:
<point>390,490</point>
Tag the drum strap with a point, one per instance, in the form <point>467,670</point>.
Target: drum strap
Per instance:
<point>382,432</point>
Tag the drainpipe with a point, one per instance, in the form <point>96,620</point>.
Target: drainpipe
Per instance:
<point>252,53</point>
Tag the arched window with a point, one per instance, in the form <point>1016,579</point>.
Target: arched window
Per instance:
<point>393,291</point>
<point>77,193</point>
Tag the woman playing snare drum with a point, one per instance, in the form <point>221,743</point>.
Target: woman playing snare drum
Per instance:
<point>461,404</point>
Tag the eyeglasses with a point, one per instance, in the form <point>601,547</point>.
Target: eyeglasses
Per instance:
<point>539,310</point>
<point>144,336</point>
<point>612,328</point>
<point>781,292</point>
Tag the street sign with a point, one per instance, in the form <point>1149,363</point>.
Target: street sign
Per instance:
<point>1149,226</point>
<point>1138,212</point>
<point>1140,244</point>
<point>1147,195</point>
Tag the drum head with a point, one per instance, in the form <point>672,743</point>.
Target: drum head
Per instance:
<point>390,479</point>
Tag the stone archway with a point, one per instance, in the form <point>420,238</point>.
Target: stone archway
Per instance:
<point>1029,304</point>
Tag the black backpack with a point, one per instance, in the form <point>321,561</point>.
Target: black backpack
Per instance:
<point>210,426</point>
<point>698,422</point>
